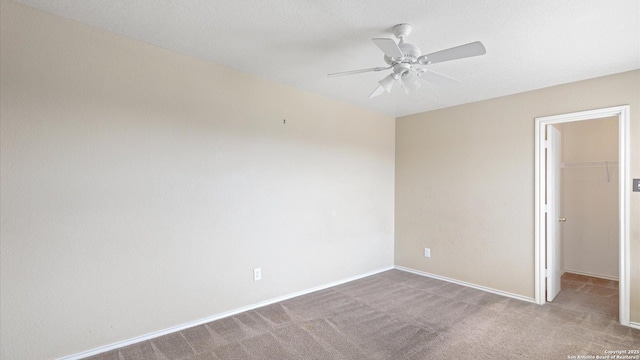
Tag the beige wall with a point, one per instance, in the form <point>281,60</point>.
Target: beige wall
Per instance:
<point>465,183</point>
<point>590,197</point>
<point>140,187</point>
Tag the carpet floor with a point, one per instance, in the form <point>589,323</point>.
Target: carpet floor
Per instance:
<point>398,315</point>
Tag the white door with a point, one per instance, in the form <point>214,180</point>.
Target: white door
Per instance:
<point>554,248</point>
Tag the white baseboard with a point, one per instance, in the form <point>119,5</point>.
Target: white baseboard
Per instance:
<point>463,283</point>
<point>219,316</point>
<point>577,272</point>
<point>634,325</point>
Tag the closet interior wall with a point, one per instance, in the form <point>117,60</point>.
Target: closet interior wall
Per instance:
<point>590,197</point>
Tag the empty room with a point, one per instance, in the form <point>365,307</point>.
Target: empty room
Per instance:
<point>319,180</point>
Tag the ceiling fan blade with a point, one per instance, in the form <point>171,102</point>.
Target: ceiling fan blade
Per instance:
<point>358,71</point>
<point>378,91</point>
<point>458,52</point>
<point>388,47</point>
<point>437,78</point>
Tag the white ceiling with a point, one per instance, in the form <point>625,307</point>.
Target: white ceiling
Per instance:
<point>530,44</point>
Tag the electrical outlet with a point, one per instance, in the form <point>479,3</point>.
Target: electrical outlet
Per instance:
<point>257,274</point>
<point>427,252</point>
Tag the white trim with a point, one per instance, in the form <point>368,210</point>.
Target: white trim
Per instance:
<point>464,283</point>
<point>623,115</point>
<point>624,151</point>
<point>540,207</point>
<point>599,276</point>
<point>634,325</point>
<point>219,316</point>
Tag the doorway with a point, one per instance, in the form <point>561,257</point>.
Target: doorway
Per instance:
<point>547,263</point>
<point>589,188</point>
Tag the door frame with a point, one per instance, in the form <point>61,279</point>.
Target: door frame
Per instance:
<point>624,193</point>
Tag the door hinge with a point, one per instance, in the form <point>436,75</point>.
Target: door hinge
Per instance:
<point>546,144</point>
<point>546,273</point>
<point>546,208</point>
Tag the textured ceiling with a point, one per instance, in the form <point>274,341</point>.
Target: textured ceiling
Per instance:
<point>530,44</point>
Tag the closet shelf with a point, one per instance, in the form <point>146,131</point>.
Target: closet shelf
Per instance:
<point>592,164</point>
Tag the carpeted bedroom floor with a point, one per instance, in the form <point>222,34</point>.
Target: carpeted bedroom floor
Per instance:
<point>398,315</point>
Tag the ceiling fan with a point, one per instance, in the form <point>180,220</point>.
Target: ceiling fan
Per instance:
<point>406,60</point>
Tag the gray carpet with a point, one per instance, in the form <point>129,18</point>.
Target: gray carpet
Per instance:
<point>398,315</point>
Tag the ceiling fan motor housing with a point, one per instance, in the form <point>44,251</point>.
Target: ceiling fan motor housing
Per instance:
<point>410,54</point>
<point>410,51</point>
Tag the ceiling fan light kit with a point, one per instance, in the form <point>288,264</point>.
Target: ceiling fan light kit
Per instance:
<point>405,58</point>
<point>388,81</point>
